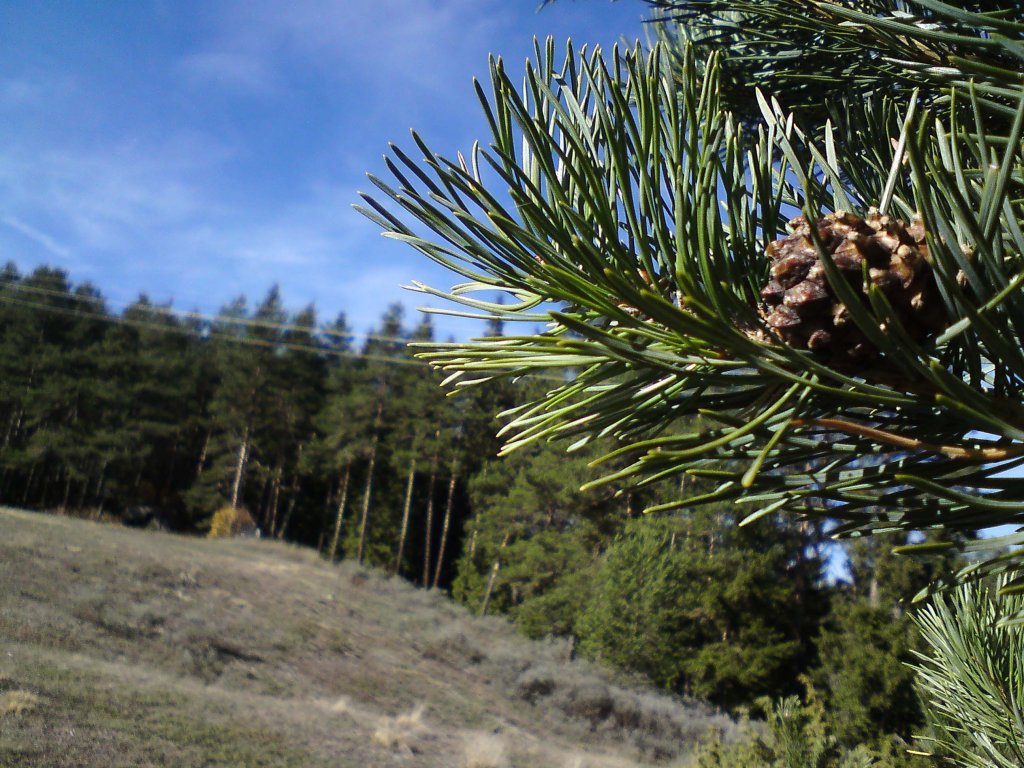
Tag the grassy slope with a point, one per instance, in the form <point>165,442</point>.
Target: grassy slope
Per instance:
<point>127,648</point>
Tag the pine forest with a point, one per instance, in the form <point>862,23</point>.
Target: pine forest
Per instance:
<point>745,404</point>
<point>162,418</point>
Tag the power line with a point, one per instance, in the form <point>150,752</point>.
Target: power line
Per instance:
<point>192,315</point>
<point>211,333</point>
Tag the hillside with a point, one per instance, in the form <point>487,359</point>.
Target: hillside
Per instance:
<point>129,648</point>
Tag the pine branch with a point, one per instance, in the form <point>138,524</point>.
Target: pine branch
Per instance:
<point>635,213</point>
<point>818,52</point>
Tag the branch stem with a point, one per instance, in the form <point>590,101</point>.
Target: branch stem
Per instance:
<point>891,438</point>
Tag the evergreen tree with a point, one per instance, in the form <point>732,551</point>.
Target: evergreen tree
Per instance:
<point>868,641</point>
<point>418,437</point>
<point>532,541</point>
<point>333,448</point>
<point>705,608</point>
<point>146,364</point>
<point>865,651</point>
<point>19,341</point>
<point>646,224</point>
<point>240,408</point>
<point>297,379</point>
<point>373,417</point>
<point>61,444</point>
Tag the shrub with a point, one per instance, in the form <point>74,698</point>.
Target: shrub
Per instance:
<point>658,725</point>
<point>798,735</point>
<point>17,702</point>
<point>400,732</point>
<point>231,521</point>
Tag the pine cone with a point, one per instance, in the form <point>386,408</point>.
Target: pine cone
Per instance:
<point>801,306</point>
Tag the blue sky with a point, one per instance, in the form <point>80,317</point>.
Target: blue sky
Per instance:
<point>201,150</point>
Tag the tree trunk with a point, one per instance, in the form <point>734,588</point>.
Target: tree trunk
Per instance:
<point>428,533</point>
<point>243,458</point>
<point>67,491</point>
<point>28,483</point>
<point>293,496</point>
<point>100,481</point>
<point>172,462</point>
<point>13,425</point>
<point>260,512</point>
<point>369,483</point>
<point>275,496</point>
<point>341,512</point>
<point>447,522</point>
<point>287,518</point>
<point>405,513</point>
<point>202,454</point>
<point>328,505</point>
<point>83,494</point>
<point>100,477</point>
<point>492,578</point>
<point>137,483</point>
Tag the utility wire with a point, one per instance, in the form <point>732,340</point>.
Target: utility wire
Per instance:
<point>191,315</point>
<point>211,333</point>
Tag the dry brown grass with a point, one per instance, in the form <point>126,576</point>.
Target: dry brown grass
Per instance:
<point>151,649</point>
<point>401,732</point>
<point>484,750</point>
<point>17,703</point>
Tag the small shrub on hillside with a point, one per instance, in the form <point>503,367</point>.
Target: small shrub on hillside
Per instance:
<point>400,732</point>
<point>656,724</point>
<point>797,735</point>
<point>17,703</point>
<point>93,514</point>
<point>231,521</point>
<point>535,684</point>
<point>452,645</point>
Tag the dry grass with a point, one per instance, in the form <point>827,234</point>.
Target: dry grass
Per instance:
<point>402,732</point>
<point>17,703</point>
<point>484,750</point>
<point>144,648</point>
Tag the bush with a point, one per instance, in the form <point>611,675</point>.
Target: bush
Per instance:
<point>17,703</point>
<point>798,735</point>
<point>864,674</point>
<point>658,725</point>
<point>700,608</point>
<point>231,521</point>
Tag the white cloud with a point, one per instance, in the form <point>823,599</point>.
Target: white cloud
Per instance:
<point>382,44</point>
<point>149,218</point>
<point>36,235</point>
<point>193,195</point>
<point>104,197</point>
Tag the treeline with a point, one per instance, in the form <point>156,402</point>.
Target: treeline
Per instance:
<point>752,618</point>
<point>356,450</point>
<point>150,412</point>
